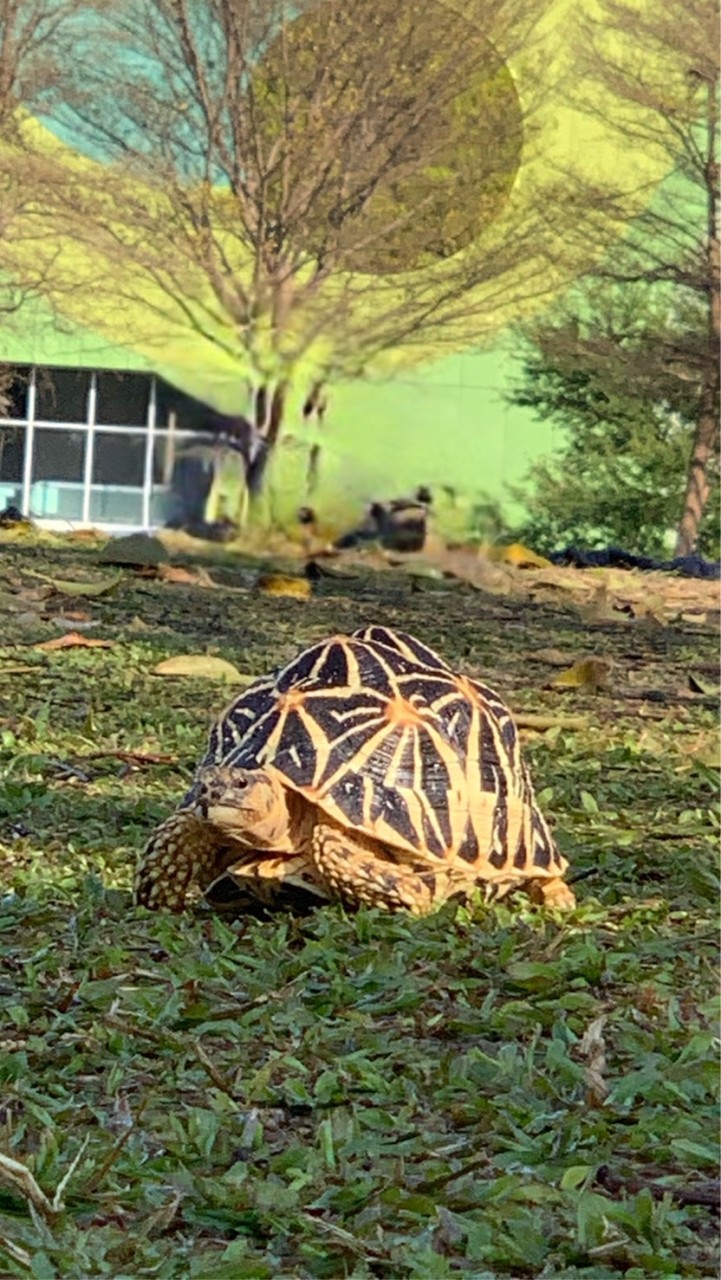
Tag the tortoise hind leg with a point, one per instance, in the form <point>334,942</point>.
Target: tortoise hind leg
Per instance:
<point>552,893</point>
<point>354,871</point>
<point>182,851</point>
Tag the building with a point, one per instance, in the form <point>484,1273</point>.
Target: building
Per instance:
<point>92,435</point>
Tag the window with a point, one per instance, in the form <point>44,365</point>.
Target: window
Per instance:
<point>62,395</point>
<point>59,455</point>
<point>12,454</point>
<point>14,396</point>
<point>109,505</point>
<point>56,492</point>
<point>119,459</point>
<point>122,399</point>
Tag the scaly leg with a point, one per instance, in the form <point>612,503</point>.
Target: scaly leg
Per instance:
<point>354,871</point>
<point>290,880</point>
<point>552,893</point>
<point>182,851</point>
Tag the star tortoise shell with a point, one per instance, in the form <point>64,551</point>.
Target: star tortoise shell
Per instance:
<point>415,769</point>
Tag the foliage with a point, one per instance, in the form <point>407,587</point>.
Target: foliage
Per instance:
<point>341,1095</point>
<point>660,63</point>
<point>611,369</point>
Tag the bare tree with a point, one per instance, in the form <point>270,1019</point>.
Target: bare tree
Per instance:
<point>309,195</point>
<point>34,44</point>
<point>653,71</point>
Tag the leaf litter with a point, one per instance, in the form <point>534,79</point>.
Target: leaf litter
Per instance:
<point>345,1094</point>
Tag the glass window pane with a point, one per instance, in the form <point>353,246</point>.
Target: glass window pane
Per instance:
<point>12,457</point>
<point>58,454</point>
<point>12,453</point>
<point>62,395</point>
<point>14,396</point>
<point>122,399</point>
<point>51,500</point>
<point>110,505</point>
<point>119,460</point>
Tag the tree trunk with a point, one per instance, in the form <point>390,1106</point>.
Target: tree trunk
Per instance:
<point>269,411</point>
<point>706,437</point>
<point>315,405</point>
<point>705,444</point>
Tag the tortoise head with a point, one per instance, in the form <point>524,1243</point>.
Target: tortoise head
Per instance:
<point>247,804</point>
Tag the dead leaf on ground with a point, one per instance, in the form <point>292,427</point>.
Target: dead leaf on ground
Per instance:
<point>74,640</point>
<point>86,535</point>
<point>100,587</point>
<point>202,666</point>
<point>552,657</point>
<point>592,1048</point>
<point>697,685</point>
<point>75,615</point>
<point>541,723</point>
<point>697,618</point>
<point>278,584</point>
<point>588,673</point>
<point>73,618</point>
<point>185,577</point>
<point>603,607</point>
<point>515,554</point>
<point>18,598</point>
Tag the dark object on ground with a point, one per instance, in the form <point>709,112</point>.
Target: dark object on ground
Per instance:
<point>12,515</point>
<point>136,551</point>
<point>268,812</point>
<point>399,525</point>
<point>208,530</point>
<point>615,558</point>
<point>706,1193</point>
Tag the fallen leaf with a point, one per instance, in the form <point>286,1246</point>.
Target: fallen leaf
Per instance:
<point>588,673</point>
<point>697,618</point>
<point>74,640</point>
<point>516,554</point>
<point>201,665</point>
<point>66,588</point>
<point>697,685</point>
<point>529,720</point>
<point>603,607</point>
<point>131,757</point>
<point>86,535</point>
<point>65,620</point>
<point>592,1048</point>
<point>277,584</point>
<point>553,657</point>
<point>186,577</point>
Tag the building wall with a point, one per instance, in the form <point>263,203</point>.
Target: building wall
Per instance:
<point>446,424</point>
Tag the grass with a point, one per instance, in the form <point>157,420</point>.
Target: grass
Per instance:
<point>342,1095</point>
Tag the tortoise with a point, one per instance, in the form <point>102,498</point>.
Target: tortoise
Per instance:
<point>366,769</point>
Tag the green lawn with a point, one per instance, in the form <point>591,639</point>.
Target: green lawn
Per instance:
<point>338,1095</point>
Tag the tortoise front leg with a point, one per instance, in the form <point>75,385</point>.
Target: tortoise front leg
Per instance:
<point>182,851</point>
<point>356,873</point>
<point>552,893</point>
